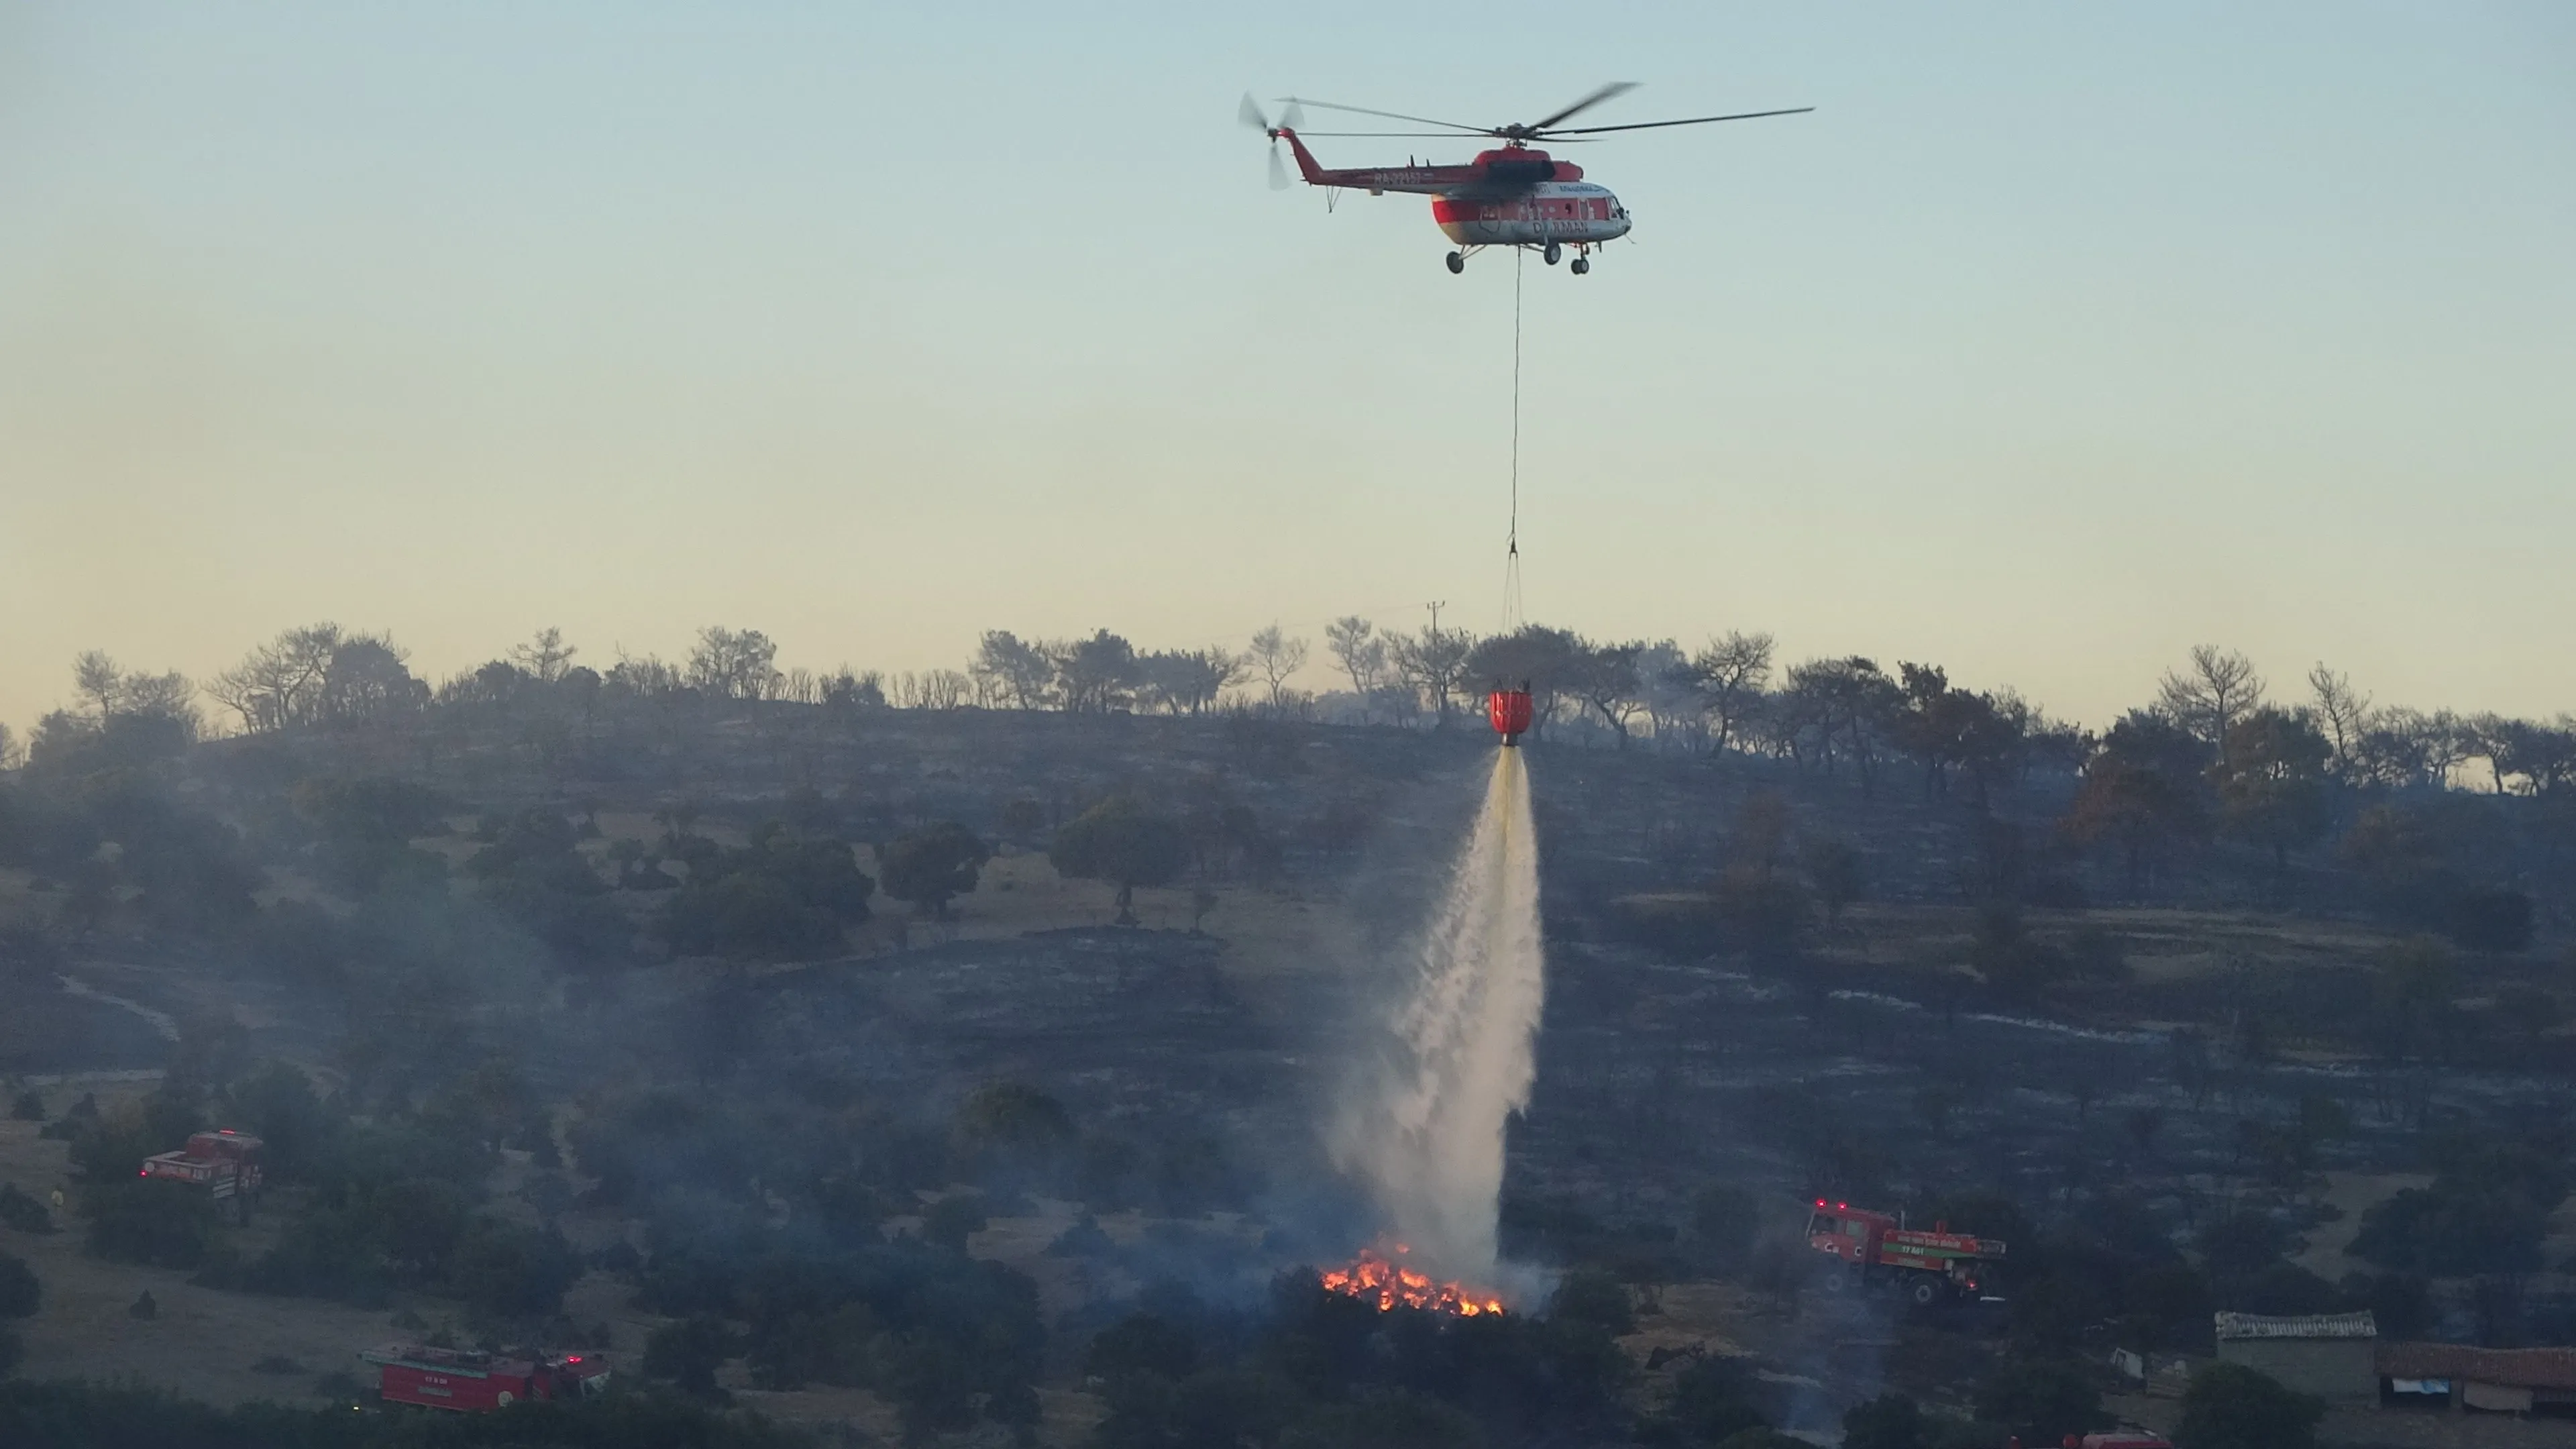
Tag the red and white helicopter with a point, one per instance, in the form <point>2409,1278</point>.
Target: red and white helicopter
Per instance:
<point>1511,196</point>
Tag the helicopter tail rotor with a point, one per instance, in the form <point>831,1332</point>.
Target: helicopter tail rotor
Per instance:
<point>1290,119</point>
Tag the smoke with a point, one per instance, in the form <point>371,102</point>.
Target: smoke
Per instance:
<point>1424,1125</point>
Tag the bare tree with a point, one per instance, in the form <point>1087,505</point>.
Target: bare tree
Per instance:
<point>734,664</point>
<point>12,754</point>
<point>546,656</point>
<point>1605,677</point>
<point>1731,675</point>
<point>281,684</point>
<point>2210,695</point>
<point>847,689</point>
<point>115,693</point>
<point>1275,657</point>
<point>1672,706</point>
<point>1432,663</point>
<point>2343,715</point>
<point>1362,654</point>
<point>643,675</point>
<point>98,680</point>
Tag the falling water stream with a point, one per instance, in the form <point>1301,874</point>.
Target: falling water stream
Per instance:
<point>1425,1129</point>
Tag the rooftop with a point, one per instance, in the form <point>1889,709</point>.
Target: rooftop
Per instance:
<point>2520,1368</point>
<point>2234,1326</point>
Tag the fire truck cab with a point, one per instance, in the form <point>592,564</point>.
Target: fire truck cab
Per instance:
<point>224,1162</point>
<point>470,1382</point>
<point>1873,1250</point>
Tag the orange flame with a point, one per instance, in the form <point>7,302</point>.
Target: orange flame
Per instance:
<point>1393,1285</point>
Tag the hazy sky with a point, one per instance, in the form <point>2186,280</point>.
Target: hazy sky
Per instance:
<point>2058,339</point>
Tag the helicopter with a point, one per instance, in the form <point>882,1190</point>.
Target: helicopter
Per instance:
<point>1511,196</point>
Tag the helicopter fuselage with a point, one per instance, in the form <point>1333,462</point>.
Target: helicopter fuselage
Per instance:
<point>1574,213</point>
<point>1508,196</point>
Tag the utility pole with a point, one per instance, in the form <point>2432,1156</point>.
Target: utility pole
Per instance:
<point>1435,606</point>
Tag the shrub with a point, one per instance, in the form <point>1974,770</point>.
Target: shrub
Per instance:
<point>20,1211</point>
<point>2230,1406</point>
<point>933,866</point>
<point>689,1352</point>
<point>136,1220</point>
<point>2041,1400</point>
<point>1890,1421</point>
<point>20,1294</point>
<point>2453,1228</point>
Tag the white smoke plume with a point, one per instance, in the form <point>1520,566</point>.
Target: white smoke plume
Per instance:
<point>1424,1124</point>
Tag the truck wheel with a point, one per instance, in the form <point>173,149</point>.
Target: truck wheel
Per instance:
<point>505,1398</point>
<point>1924,1293</point>
<point>1837,1281</point>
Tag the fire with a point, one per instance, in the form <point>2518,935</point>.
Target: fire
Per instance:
<point>1394,1285</point>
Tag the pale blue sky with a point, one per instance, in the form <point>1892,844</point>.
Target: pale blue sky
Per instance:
<point>2058,339</point>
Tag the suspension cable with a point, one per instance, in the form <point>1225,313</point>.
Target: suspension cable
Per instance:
<point>1512,544</point>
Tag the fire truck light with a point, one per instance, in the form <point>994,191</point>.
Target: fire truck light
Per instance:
<point>576,1358</point>
<point>1842,1207</point>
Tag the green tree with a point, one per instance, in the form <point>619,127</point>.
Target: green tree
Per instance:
<point>1123,843</point>
<point>1141,1343</point>
<point>2272,780</point>
<point>1723,1219</point>
<point>2041,1400</point>
<point>689,1352</point>
<point>1834,870</point>
<point>2230,1406</point>
<point>2141,793</point>
<point>932,866</point>
<point>1890,1421</point>
<point>1713,1401</point>
<point>139,1220</point>
<point>20,1293</point>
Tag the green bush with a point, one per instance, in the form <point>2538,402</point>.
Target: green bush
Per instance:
<point>1890,1421</point>
<point>2230,1406</point>
<point>2041,1400</point>
<point>20,1294</point>
<point>140,1220</point>
<point>20,1211</point>
<point>689,1352</point>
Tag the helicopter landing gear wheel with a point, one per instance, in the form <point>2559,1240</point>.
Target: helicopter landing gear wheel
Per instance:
<point>1457,261</point>
<point>1581,265</point>
<point>1552,253</point>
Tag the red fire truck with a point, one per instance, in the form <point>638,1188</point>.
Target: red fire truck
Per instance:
<point>224,1162</point>
<point>451,1378</point>
<point>1874,1250</point>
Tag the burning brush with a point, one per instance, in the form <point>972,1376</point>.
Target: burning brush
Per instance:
<point>1392,1285</point>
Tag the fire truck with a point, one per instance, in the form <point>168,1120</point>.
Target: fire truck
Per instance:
<point>1875,1251</point>
<point>224,1162</point>
<point>470,1382</point>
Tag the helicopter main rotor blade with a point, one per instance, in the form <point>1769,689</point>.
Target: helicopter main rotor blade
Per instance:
<point>1390,115</point>
<point>1434,135</point>
<point>1693,121</point>
<point>1615,88</point>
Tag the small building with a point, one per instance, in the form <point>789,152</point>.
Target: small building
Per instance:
<point>2503,1380</point>
<point>2333,1356</point>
